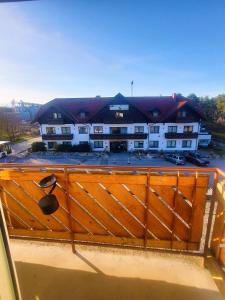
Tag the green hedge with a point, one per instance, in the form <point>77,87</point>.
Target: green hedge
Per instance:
<point>74,148</point>
<point>38,146</point>
<point>81,148</point>
<point>63,148</point>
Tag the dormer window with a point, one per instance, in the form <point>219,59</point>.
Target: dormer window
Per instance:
<point>119,115</point>
<point>155,113</point>
<point>82,114</point>
<point>182,114</point>
<point>57,115</point>
<point>119,107</point>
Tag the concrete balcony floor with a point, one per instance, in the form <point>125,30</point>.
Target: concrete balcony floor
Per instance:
<point>49,271</point>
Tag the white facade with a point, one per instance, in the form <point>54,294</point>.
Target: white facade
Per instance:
<point>154,133</point>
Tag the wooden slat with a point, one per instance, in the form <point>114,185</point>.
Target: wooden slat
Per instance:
<point>99,210</point>
<point>128,226</point>
<point>163,215</point>
<point>17,208</point>
<point>131,204</point>
<point>128,179</point>
<point>99,239</point>
<point>84,211</point>
<point>163,180</point>
<point>218,236</point>
<point>198,209</point>
<point>28,175</point>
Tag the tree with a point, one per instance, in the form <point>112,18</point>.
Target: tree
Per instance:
<point>194,98</point>
<point>209,108</point>
<point>220,108</point>
<point>10,124</point>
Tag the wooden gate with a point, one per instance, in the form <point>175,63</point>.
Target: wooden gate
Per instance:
<point>134,208</point>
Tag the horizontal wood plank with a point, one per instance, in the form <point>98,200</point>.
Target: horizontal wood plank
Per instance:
<point>100,239</point>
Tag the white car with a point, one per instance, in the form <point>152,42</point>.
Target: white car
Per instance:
<point>2,154</point>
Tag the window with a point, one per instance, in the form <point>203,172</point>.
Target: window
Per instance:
<point>172,128</point>
<point>153,144</point>
<point>119,107</point>
<point>119,115</point>
<point>139,129</point>
<point>98,129</point>
<point>171,144</point>
<point>50,130</point>
<point>67,143</point>
<point>186,143</point>
<point>203,129</point>
<point>188,128</point>
<point>182,113</point>
<point>51,145</point>
<point>82,114</point>
<point>154,129</point>
<point>83,143</point>
<point>57,115</point>
<point>138,144</point>
<point>66,130</point>
<point>118,130</point>
<point>98,144</point>
<point>82,130</point>
<point>155,113</point>
<point>204,141</point>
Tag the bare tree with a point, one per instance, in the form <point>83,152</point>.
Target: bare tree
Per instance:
<point>10,124</point>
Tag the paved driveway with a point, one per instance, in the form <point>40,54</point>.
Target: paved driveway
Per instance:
<point>17,148</point>
<point>118,159</point>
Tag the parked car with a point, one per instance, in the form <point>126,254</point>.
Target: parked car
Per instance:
<point>2,154</point>
<point>175,158</point>
<point>197,159</point>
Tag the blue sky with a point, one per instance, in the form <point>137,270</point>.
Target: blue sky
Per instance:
<point>52,48</point>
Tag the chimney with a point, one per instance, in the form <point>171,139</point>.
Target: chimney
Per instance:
<point>174,96</point>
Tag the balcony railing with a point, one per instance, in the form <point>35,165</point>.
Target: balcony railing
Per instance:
<point>160,208</point>
<point>55,121</point>
<point>205,132</point>
<point>171,213</point>
<point>182,135</point>
<point>57,137</point>
<point>122,136</point>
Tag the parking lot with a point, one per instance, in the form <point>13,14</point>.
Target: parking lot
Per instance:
<point>123,159</point>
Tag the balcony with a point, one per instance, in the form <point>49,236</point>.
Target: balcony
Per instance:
<point>55,121</point>
<point>204,132</point>
<point>121,136</point>
<point>182,135</point>
<point>57,137</point>
<point>150,213</point>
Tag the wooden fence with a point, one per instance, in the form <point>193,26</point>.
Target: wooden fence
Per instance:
<point>133,207</point>
<point>218,235</point>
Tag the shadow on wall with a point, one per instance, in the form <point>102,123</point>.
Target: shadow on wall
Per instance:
<point>41,282</point>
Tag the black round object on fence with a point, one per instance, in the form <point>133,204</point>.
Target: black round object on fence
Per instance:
<point>47,181</point>
<point>48,204</point>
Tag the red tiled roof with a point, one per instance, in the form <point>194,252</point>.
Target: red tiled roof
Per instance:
<point>72,107</point>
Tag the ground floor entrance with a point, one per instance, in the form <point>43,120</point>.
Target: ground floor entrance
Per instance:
<point>118,146</point>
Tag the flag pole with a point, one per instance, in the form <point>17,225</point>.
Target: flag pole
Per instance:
<point>131,87</point>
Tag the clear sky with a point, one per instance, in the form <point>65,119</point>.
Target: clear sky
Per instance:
<point>53,48</point>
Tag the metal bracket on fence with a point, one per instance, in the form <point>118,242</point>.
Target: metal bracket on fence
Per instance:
<point>49,203</point>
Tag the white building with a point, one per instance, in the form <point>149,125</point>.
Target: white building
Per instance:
<point>121,123</point>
